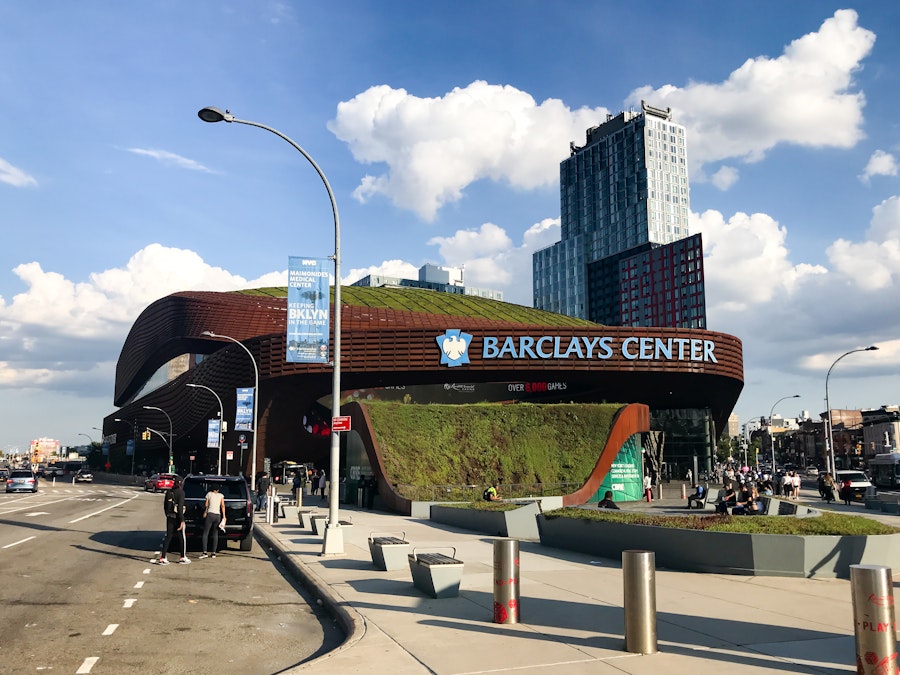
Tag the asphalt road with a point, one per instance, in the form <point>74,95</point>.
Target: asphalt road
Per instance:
<point>79,595</point>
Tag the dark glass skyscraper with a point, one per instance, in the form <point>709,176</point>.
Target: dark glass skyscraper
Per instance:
<point>625,257</point>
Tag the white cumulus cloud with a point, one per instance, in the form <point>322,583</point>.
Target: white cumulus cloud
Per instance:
<point>881,163</point>
<point>803,97</point>
<point>435,147</point>
<point>57,327</point>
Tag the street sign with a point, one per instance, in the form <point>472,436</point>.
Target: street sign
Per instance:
<point>229,454</point>
<point>340,423</point>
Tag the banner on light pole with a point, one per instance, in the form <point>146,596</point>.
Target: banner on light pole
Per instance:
<point>308,305</point>
<point>243,416</point>
<point>212,433</point>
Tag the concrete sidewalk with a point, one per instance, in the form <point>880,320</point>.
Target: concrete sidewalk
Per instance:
<point>571,611</point>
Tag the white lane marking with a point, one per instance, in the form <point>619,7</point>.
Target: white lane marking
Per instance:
<point>97,513</point>
<point>37,513</point>
<point>16,543</point>
<point>147,570</point>
<point>110,629</point>
<point>129,603</point>
<point>139,584</point>
<point>5,510</point>
<point>86,666</point>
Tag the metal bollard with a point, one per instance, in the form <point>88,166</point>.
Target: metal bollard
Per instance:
<point>872,589</point>
<point>639,577</point>
<point>506,581</point>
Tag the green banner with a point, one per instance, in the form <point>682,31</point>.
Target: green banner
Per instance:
<point>625,478</point>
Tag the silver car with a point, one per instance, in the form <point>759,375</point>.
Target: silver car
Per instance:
<point>21,480</point>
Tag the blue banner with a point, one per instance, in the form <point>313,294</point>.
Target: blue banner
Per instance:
<point>308,304</point>
<point>243,416</point>
<point>129,447</point>
<point>212,433</point>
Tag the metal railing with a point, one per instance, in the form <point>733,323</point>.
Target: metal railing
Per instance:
<point>471,493</point>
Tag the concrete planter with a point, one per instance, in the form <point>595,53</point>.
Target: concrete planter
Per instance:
<point>724,552</point>
<point>519,523</point>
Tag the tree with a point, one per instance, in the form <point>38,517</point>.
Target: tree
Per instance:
<point>654,442</point>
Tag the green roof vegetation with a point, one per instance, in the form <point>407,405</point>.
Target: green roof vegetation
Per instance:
<point>435,302</point>
<point>524,444</point>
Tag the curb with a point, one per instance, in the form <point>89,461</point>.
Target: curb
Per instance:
<point>352,622</point>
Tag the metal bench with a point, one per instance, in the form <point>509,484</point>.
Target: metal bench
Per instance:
<point>436,574</point>
<point>305,517</point>
<point>320,522</point>
<point>388,552</point>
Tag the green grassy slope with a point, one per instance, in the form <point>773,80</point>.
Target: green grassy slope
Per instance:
<point>476,444</point>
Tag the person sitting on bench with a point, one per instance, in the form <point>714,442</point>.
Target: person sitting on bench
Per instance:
<point>728,499</point>
<point>699,496</point>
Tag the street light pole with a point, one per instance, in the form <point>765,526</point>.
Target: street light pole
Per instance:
<point>133,424</point>
<point>222,418</point>
<point>771,435</point>
<point>171,438</point>
<point>209,333</point>
<point>829,439</point>
<point>333,543</point>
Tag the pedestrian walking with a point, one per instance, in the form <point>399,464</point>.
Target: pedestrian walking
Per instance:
<point>648,487</point>
<point>173,507</point>
<point>213,520</point>
<point>322,481</point>
<point>262,490</point>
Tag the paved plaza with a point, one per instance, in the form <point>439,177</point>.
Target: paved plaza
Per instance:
<point>572,618</point>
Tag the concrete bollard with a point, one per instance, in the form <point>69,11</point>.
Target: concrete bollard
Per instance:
<point>639,577</point>
<point>506,581</point>
<point>872,590</point>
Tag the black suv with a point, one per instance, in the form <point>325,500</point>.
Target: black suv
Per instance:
<point>238,507</point>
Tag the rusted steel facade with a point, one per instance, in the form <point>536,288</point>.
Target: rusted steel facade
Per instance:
<point>382,347</point>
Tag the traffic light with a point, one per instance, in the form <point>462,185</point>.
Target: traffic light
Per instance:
<point>145,435</point>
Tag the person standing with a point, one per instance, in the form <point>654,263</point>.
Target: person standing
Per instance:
<point>262,490</point>
<point>648,487</point>
<point>795,484</point>
<point>213,519</point>
<point>322,481</point>
<point>173,506</point>
<point>688,475</point>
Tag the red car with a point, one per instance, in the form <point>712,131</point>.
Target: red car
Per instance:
<point>160,481</point>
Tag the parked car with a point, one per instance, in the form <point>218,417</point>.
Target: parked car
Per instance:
<point>21,480</point>
<point>238,508</point>
<point>812,471</point>
<point>860,485</point>
<point>160,481</point>
<point>84,475</point>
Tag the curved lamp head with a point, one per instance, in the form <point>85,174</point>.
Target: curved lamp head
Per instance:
<point>871,349</point>
<point>209,333</point>
<point>213,114</point>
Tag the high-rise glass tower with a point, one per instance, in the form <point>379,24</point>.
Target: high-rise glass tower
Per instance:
<point>625,256</point>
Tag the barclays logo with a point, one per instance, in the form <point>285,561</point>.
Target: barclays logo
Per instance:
<point>454,346</point>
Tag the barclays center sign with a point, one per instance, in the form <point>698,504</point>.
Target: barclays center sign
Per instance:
<point>455,345</point>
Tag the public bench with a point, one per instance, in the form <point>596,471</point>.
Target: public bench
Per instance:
<point>388,552</point>
<point>320,522</point>
<point>305,518</point>
<point>707,502</point>
<point>436,574</point>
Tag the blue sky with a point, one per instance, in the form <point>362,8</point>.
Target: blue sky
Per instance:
<point>440,127</point>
